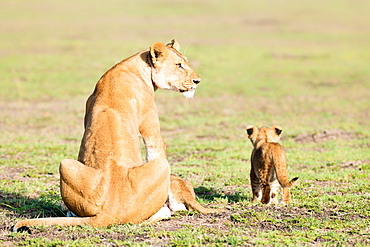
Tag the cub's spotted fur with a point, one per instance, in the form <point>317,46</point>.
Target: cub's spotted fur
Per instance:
<point>268,171</point>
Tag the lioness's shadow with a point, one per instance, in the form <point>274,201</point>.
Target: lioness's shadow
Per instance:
<point>44,207</point>
<point>41,206</point>
<point>210,195</point>
<point>25,207</point>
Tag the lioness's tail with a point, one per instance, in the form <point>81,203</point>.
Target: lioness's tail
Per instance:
<point>62,221</point>
<point>184,193</point>
<point>193,204</point>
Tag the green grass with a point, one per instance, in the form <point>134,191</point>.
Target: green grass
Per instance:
<point>302,65</point>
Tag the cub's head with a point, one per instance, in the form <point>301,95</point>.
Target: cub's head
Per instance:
<point>262,135</point>
<point>171,70</point>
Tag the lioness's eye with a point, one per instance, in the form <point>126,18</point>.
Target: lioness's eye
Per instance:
<point>179,65</point>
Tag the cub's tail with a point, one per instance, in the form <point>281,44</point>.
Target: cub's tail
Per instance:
<point>283,180</point>
<point>292,182</point>
<point>279,163</point>
<point>62,221</point>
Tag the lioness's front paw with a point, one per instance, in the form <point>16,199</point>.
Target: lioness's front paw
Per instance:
<point>163,213</point>
<point>178,207</point>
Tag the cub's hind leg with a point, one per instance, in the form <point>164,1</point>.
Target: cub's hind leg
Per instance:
<point>256,186</point>
<point>274,191</point>
<point>263,174</point>
<point>286,191</point>
<point>266,191</point>
<point>286,196</point>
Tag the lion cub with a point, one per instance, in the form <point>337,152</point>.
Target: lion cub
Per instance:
<point>268,162</point>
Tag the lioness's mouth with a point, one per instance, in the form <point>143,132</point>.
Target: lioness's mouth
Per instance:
<point>188,93</point>
<point>182,90</point>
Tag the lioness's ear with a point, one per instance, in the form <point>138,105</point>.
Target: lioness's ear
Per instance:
<point>174,44</point>
<point>250,129</point>
<point>158,52</point>
<point>278,129</point>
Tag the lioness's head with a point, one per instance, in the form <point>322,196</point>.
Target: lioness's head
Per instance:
<point>171,70</point>
<point>263,134</point>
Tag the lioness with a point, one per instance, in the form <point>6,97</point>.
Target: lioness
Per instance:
<point>109,184</point>
<point>268,162</point>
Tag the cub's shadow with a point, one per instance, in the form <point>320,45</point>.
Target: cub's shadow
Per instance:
<point>210,195</point>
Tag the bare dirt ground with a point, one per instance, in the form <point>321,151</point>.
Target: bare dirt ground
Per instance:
<point>331,134</point>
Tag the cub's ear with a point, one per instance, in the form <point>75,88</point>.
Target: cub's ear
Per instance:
<point>174,44</point>
<point>158,52</point>
<point>278,129</point>
<point>250,129</point>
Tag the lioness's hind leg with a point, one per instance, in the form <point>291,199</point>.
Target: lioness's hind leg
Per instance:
<point>150,183</point>
<point>80,187</point>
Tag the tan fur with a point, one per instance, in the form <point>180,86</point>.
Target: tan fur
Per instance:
<point>109,184</point>
<point>268,160</point>
<point>183,192</point>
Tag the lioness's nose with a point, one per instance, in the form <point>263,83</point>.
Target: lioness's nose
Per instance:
<point>196,81</point>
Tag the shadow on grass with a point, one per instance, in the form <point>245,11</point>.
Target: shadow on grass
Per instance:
<point>45,206</point>
<point>41,207</point>
<point>211,195</point>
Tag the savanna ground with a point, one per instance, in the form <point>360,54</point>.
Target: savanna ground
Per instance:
<point>301,64</point>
